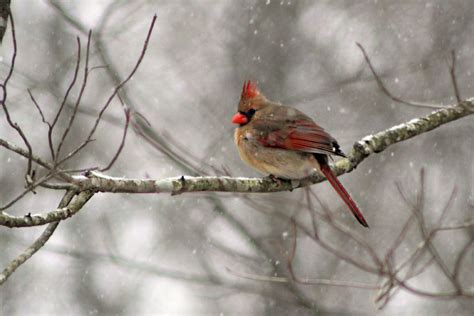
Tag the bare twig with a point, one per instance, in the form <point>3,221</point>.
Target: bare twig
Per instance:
<point>428,236</point>
<point>78,100</point>
<point>457,264</point>
<point>66,95</point>
<point>452,72</point>
<point>388,93</point>
<point>3,101</point>
<point>43,163</point>
<point>29,188</point>
<point>323,282</point>
<point>43,119</point>
<point>348,233</point>
<point>122,142</point>
<point>398,241</point>
<point>292,252</point>
<point>311,212</point>
<point>114,93</point>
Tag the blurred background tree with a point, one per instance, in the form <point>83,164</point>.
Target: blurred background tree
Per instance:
<point>225,253</point>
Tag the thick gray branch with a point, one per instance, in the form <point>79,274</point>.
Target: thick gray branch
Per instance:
<point>47,217</point>
<point>362,149</point>
<point>97,182</point>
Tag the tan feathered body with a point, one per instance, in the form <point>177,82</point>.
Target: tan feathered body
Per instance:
<point>281,163</point>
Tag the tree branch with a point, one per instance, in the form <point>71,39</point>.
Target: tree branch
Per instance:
<point>62,212</point>
<point>362,149</point>
<point>37,244</point>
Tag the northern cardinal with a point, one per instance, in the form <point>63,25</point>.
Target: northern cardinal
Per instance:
<point>284,142</point>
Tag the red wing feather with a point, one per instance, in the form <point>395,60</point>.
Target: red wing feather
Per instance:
<point>300,135</point>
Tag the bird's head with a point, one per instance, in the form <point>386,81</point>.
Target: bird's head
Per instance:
<point>251,100</point>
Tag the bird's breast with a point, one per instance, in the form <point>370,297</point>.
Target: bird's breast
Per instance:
<point>279,162</point>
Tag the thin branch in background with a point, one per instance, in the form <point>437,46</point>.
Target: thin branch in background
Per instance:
<point>114,93</point>
<point>428,236</point>
<point>66,95</point>
<point>29,188</point>
<point>134,70</point>
<point>323,205</point>
<point>3,101</point>
<point>452,72</point>
<point>24,153</point>
<point>15,50</point>
<point>386,91</point>
<point>78,100</point>
<point>37,244</point>
<point>323,282</point>
<point>97,68</point>
<point>398,241</point>
<point>292,253</point>
<point>160,141</point>
<point>310,211</point>
<point>457,264</point>
<point>43,119</point>
<point>122,142</point>
<point>348,232</point>
<point>336,252</point>
<point>414,258</point>
<point>394,280</point>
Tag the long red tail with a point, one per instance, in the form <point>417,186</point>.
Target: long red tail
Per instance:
<point>326,170</point>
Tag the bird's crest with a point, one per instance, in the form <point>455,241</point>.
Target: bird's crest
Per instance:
<point>249,90</point>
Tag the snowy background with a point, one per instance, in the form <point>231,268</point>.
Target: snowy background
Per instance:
<point>138,254</point>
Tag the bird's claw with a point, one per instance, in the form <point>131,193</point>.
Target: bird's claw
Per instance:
<point>280,181</point>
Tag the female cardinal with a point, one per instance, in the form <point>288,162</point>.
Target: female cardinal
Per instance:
<point>284,142</point>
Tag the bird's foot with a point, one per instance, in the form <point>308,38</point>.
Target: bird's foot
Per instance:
<point>280,181</point>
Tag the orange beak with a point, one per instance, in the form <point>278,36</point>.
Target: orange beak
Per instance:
<point>239,118</point>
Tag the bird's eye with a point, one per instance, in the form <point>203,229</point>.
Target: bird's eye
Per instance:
<point>251,112</point>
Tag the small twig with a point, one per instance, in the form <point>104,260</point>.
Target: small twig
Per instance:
<point>66,95</point>
<point>457,264</point>
<point>114,93</point>
<point>78,100</point>
<point>59,186</point>
<point>467,224</point>
<point>311,211</point>
<point>398,241</point>
<point>15,50</point>
<point>3,101</point>
<point>97,68</point>
<point>122,142</point>
<point>388,93</point>
<point>428,236</point>
<point>452,72</point>
<point>433,250</point>
<point>347,232</point>
<point>43,119</point>
<point>29,188</point>
<point>36,159</point>
<point>323,282</point>
<point>292,252</point>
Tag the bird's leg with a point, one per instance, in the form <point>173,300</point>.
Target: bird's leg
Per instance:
<point>280,181</point>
